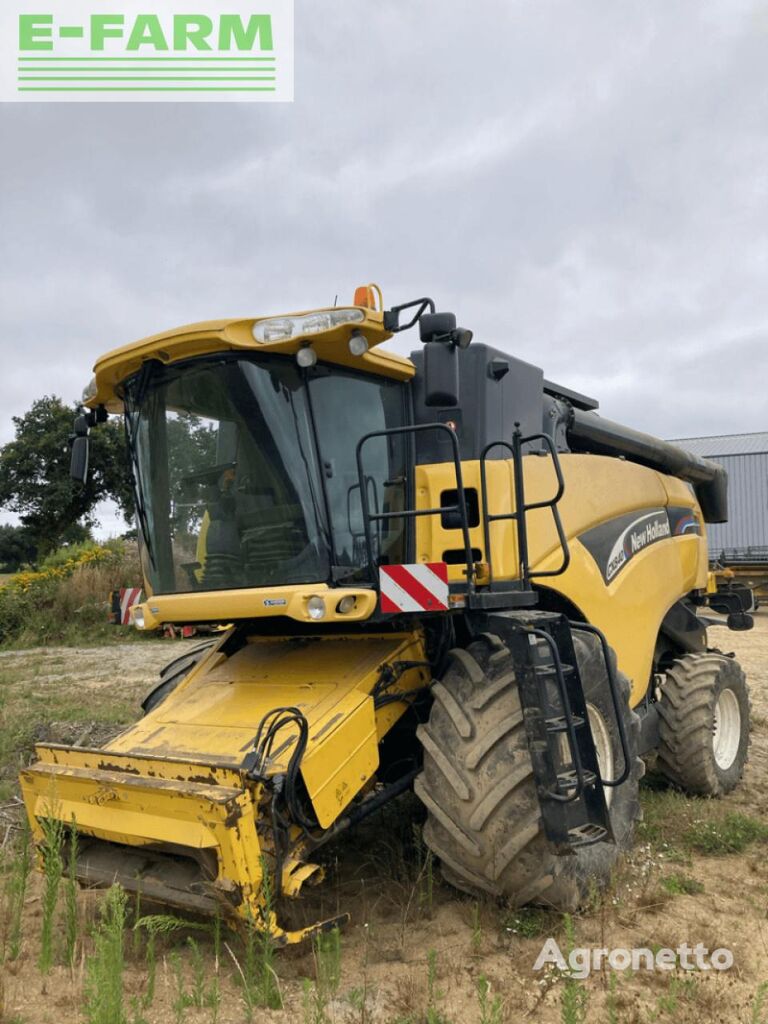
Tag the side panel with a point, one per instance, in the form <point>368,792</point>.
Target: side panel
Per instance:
<point>666,547</point>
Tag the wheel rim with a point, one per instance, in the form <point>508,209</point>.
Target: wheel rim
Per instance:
<point>603,747</point>
<point>726,729</point>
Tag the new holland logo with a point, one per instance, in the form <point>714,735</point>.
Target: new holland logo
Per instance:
<point>615,543</point>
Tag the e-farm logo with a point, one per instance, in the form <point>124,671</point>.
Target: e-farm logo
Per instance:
<point>138,50</point>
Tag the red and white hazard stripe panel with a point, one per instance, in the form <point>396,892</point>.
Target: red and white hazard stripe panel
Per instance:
<point>129,596</point>
<point>414,588</point>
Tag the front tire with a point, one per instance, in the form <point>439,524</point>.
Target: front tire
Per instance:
<point>484,819</point>
<point>173,673</point>
<point>704,724</point>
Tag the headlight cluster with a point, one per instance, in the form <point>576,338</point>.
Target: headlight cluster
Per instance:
<point>282,328</point>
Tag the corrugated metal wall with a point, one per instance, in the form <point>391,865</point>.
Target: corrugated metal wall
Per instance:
<point>747,526</point>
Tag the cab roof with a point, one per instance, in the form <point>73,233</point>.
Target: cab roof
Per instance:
<point>237,335</point>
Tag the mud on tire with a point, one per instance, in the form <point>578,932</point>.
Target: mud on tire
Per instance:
<point>484,820</point>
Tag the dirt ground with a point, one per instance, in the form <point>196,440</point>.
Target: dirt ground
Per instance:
<point>415,950</point>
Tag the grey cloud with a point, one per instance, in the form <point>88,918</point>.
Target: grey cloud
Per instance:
<point>583,183</point>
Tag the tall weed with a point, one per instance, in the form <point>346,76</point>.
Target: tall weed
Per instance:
<point>53,866</point>
<point>104,1000</point>
<point>15,894</point>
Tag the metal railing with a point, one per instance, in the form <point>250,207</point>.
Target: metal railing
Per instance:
<point>460,508</point>
<point>522,508</point>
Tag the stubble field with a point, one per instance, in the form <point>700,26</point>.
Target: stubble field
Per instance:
<point>415,950</point>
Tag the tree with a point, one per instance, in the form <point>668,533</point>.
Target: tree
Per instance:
<point>17,548</point>
<point>34,473</point>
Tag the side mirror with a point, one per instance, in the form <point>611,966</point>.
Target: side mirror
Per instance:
<point>441,374</point>
<point>442,340</point>
<point>78,467</point>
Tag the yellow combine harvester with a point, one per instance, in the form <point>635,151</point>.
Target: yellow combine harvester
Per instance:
<point>443,572</point>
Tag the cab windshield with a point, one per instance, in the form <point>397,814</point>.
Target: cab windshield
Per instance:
<point>246,475</point>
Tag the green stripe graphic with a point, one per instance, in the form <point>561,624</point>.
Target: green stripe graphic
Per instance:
<point>143,78</point>
<point>145,58</point>
<point>119,88</point>
<point>94,72</point>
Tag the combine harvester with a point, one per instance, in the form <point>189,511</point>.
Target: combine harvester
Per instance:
<point>443,572</point>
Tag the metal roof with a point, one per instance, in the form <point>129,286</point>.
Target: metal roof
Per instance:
<point>725,444</point>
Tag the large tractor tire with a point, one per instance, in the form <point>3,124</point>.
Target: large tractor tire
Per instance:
<point>484,819</point>
<point>704,724</point>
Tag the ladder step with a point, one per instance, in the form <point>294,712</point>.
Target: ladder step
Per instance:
<point>569,779</point>
<point>586,835</point>
<point>559,723</point>
<point>550,672</point>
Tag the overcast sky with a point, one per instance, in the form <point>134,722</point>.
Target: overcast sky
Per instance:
<point>584,183</point>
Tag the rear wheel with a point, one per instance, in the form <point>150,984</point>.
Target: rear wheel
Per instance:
<point>484,819</point>
<point>704,724</point>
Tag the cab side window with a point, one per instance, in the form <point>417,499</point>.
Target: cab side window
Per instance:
<point>346,407</point>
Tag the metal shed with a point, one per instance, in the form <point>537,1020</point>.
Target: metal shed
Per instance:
<point>744,538</point>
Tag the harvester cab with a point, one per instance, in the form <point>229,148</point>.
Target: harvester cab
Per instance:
<point>444,573</point>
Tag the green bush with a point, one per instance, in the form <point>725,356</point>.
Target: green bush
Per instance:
<point>68,553</point>
<point>67,599</point>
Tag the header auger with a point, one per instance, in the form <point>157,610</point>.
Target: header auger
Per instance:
<point>443,572</point>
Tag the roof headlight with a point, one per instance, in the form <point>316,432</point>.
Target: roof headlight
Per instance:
<point>316,324</point>
<point>282,328</point>
<point>306,357</point>
<point>276,329</point>
<point>358,343</point>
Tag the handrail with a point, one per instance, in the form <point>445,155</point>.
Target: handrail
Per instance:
<point>519,514</point>
<point>460,507</point>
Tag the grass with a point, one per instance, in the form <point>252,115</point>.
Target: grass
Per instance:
<point>433,1014</point>
<point>67,600</point>
<point>104,997</point>
<point>759,1008</point>
<point>678,826</point>
<point>41,700</point>
<point>158,926</point>
<point>14,896</point>
<point>731,832</point>
<point>490,1007</point>
<point>531,922</point>
<point>32,696</point>
<point>326,955</point>
<point>574,1000</point>
<point>53,864</point>
<point>71,924</point>
<point>681,885</point>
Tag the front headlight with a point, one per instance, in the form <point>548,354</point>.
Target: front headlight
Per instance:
<point>316,607</point>
<point>282,328</point>
<point>137,614</point>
